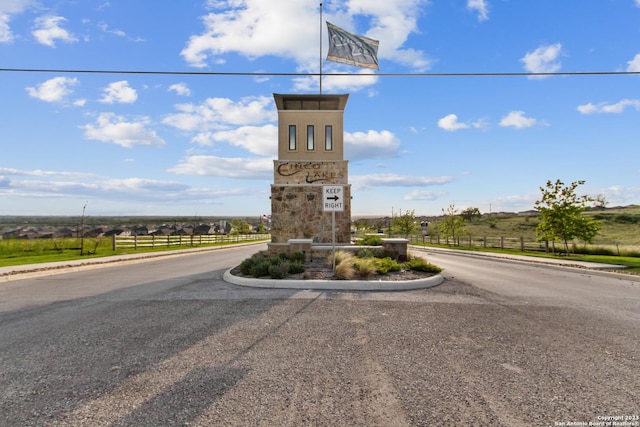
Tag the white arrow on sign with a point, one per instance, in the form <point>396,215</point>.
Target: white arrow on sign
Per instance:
<point>333,198</point>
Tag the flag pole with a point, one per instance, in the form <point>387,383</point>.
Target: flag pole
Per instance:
<point>320,48</point>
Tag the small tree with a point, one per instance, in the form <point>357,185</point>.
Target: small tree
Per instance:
<point>235,226</point>
<point>452,224</point>
<point>405,224</point>
<point>561,216</point>
<point>245,228</point>
<point>470,214</point>
<point>600,202</point>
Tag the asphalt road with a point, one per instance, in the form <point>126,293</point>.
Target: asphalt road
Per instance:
<point>167,342</point>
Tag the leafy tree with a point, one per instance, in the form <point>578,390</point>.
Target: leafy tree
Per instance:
<point>405,224</point>
<point>561,216</point>
<point>452,224</point>
<point>245,228</point>
<point>601,202</point>
<point>470,213</point>
<point>235,226</point>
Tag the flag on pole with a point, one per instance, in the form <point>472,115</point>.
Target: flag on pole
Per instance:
<point>351,49</point>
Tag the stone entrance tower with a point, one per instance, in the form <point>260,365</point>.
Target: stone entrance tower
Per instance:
<point>310,156</point>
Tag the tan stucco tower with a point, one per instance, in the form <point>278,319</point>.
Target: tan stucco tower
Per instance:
<point>310,157</point>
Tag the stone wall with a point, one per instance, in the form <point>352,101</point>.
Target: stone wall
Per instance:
<point>296,213</point>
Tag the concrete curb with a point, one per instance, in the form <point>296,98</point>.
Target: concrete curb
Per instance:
<point>336,285</point>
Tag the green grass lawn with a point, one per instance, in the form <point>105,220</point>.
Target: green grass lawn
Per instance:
<point>37,251</point>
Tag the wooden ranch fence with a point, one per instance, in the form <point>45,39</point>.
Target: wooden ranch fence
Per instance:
<point>135,242</point>
<point>487,242</point>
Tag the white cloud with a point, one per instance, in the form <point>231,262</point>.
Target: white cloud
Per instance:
<point>220,113</point>
<point>369,145</point>
<point>43,173</point>
<point>115,129</point>
<point>517,119</point>
<point>395,180</point>
<point>355,82</point>
<point>84,186</point>
<point>7,9</point>
<point>255,28</point>
<point>481,6</point>
<point>181,89</point>
<point>14,7</point>
<point>247,168</point>
<point>424,195</point>
<point>260,140</point>
<point>634,64</point>
<point>450,123</point>
<point>48,30</point>
<point>5,31</point>
<point>638,3</point>
<point>543,60</point>
<point>105,28</point>
<point>119,92</point>
<point>53,90</point>
<point>616,108</point>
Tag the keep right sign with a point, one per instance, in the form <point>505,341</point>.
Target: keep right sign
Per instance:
<point>332,198</point>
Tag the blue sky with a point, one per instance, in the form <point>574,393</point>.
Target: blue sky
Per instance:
<point>170,144</point>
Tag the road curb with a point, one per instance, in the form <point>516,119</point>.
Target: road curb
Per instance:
<point>336,285</point>
<point>18,272</point>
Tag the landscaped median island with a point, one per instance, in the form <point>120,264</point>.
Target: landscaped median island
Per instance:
<point>352,271</point>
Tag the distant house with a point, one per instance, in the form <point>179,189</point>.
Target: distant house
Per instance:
<point>140,230</point>
<point>202,229</point>
<point>162,231</point>
<point>95,232</point>
<point>11,234</point>
<point>185,231</point>
<point>113,232</point>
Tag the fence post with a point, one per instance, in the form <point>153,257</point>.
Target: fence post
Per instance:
<point>135,241</point>
<point>501,242</point>
<point>522,243</point>
<point>469,240</point>
<point>484,241</point>
<point>114,245</point>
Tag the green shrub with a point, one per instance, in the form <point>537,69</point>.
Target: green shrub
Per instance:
<point>296,267</point>
<point>419,264</point>
<point>261,268</point>
<point>627,219</point>
<point>385,265</point>
<point>279,271</point>
<point>383,253</point>
<point>298,257</point>
<point>365,253</point>
<point>370,241</point>
<point>247,265</point>
<point>277,259</point>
